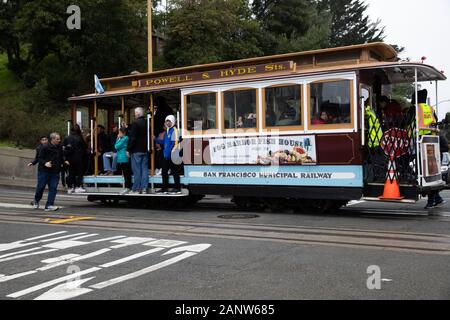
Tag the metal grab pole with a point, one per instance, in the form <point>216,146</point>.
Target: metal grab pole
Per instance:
<point>419,167</point>
<point>152,144</point>
<point>68,127</point>
<point>92,136</point>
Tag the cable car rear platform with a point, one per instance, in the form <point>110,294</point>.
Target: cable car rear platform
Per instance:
<point>113,186</point>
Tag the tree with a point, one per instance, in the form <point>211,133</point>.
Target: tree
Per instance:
<point>349,24</point>
<point>204,31</point>
<point>292,25</point>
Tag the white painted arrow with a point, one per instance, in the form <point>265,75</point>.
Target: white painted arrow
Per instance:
<point>193,248</point>
<point>66,291</point>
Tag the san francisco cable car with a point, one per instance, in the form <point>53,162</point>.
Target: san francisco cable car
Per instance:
<point>286,130</point>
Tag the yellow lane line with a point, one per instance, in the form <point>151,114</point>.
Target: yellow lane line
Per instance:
<point>70,219</point>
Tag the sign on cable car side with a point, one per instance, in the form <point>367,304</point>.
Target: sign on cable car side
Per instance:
<point>297,150</point>
<point>218,74</point>
<point>431,160</point>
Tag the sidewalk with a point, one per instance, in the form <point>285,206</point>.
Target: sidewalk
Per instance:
<point>21,183</point>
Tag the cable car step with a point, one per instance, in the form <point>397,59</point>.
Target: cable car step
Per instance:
<point>386,200</point>
<point>117,192</point>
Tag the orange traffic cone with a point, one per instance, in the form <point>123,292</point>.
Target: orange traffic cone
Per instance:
<point>391,187</point>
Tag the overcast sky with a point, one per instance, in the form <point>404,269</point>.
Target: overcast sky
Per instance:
<point>423,28</point>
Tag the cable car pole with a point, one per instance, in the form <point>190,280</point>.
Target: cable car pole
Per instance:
<point>150,38</point>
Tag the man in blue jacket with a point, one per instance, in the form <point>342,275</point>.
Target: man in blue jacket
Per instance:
<point>170,144</point>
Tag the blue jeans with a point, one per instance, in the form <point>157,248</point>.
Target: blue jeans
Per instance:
<point>44,179</point>
<point>139,165</point>
<point>107,162</point>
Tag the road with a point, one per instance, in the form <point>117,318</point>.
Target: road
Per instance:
<point>214,251</point>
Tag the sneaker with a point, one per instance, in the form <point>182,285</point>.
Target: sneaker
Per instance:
<point>162,191</point>
<point>158,172</point>
<point>51,208</point>
<point>71,190</point>
<point>429,206</point>
<point>35,205</point>
<point>125,191</point>
<point>440,203</point>
<point>175,191</point>
<point>134,192</point>
<point>80,190</point>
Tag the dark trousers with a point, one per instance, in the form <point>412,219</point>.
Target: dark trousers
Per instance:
<point>175,169</point>
<point>75,177</point>
<point>125,170</point>
<point>44,179</point>
<point>434,197</point>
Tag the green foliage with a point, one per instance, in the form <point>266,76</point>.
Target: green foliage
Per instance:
<point>292,25</point>
<point>349,23</point>
<point>203,31</point>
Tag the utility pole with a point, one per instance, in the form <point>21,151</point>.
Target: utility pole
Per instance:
<point>150,37</point>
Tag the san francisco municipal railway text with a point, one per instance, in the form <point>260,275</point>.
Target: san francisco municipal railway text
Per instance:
<point>268,175</point>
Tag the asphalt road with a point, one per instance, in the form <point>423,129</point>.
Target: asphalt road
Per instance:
<point>90,251</point>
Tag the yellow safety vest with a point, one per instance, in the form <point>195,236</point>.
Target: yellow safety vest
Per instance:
<point>375,132</point>
<point>426,118</point>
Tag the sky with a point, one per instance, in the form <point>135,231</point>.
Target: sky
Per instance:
<point>423,28</point>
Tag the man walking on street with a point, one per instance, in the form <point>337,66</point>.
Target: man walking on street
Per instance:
<point>51,160</point>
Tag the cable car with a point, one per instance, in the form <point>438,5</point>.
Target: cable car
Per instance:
<point>295,130</point>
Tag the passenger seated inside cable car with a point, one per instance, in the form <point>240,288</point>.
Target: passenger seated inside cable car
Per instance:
<point>323,118</point>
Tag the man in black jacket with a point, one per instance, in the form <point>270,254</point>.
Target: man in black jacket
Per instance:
<point>138,150</point>
<point>51,160</point>
<point>42,141</point>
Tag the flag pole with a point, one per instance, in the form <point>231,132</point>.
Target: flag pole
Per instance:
<point>150,39</point>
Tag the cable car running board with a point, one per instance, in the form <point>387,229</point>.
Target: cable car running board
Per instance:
<point>386,200</point>
<point>184,193</point>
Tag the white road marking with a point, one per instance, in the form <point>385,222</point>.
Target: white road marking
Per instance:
<point>27,255</point>
<point>14,245</point>
<point>164,243</point>
<point>59,259</point>
<point>66,291</point>
<point>142,272</point>
<point>19,206</point>
<point>47,284</point>
<point>194,248</point>
<point>129,258</point>
<point>75,259</point>
<point>108,239</point>
<point>64,237</point>
<point>128,241</point>
<point>65,244</point>
<point>15,276</point>
<point>87,236</point>
<point>18,252</point>
<point>44,236</point>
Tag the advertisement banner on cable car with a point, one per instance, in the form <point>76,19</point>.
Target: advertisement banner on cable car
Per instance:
<point>294,150</point>
<point>431,160</point>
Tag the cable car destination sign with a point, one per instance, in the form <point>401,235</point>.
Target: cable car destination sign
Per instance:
<point>218,74</point>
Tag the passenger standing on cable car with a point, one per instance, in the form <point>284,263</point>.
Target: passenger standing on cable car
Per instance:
<point>137,150</point>
<point>74,151</point>
<point>170,144</point>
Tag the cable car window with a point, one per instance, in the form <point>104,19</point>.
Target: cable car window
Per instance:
<point>331,103</point>
<point>201,111</point>
<point>283,106</point>
<point>240,109</point>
